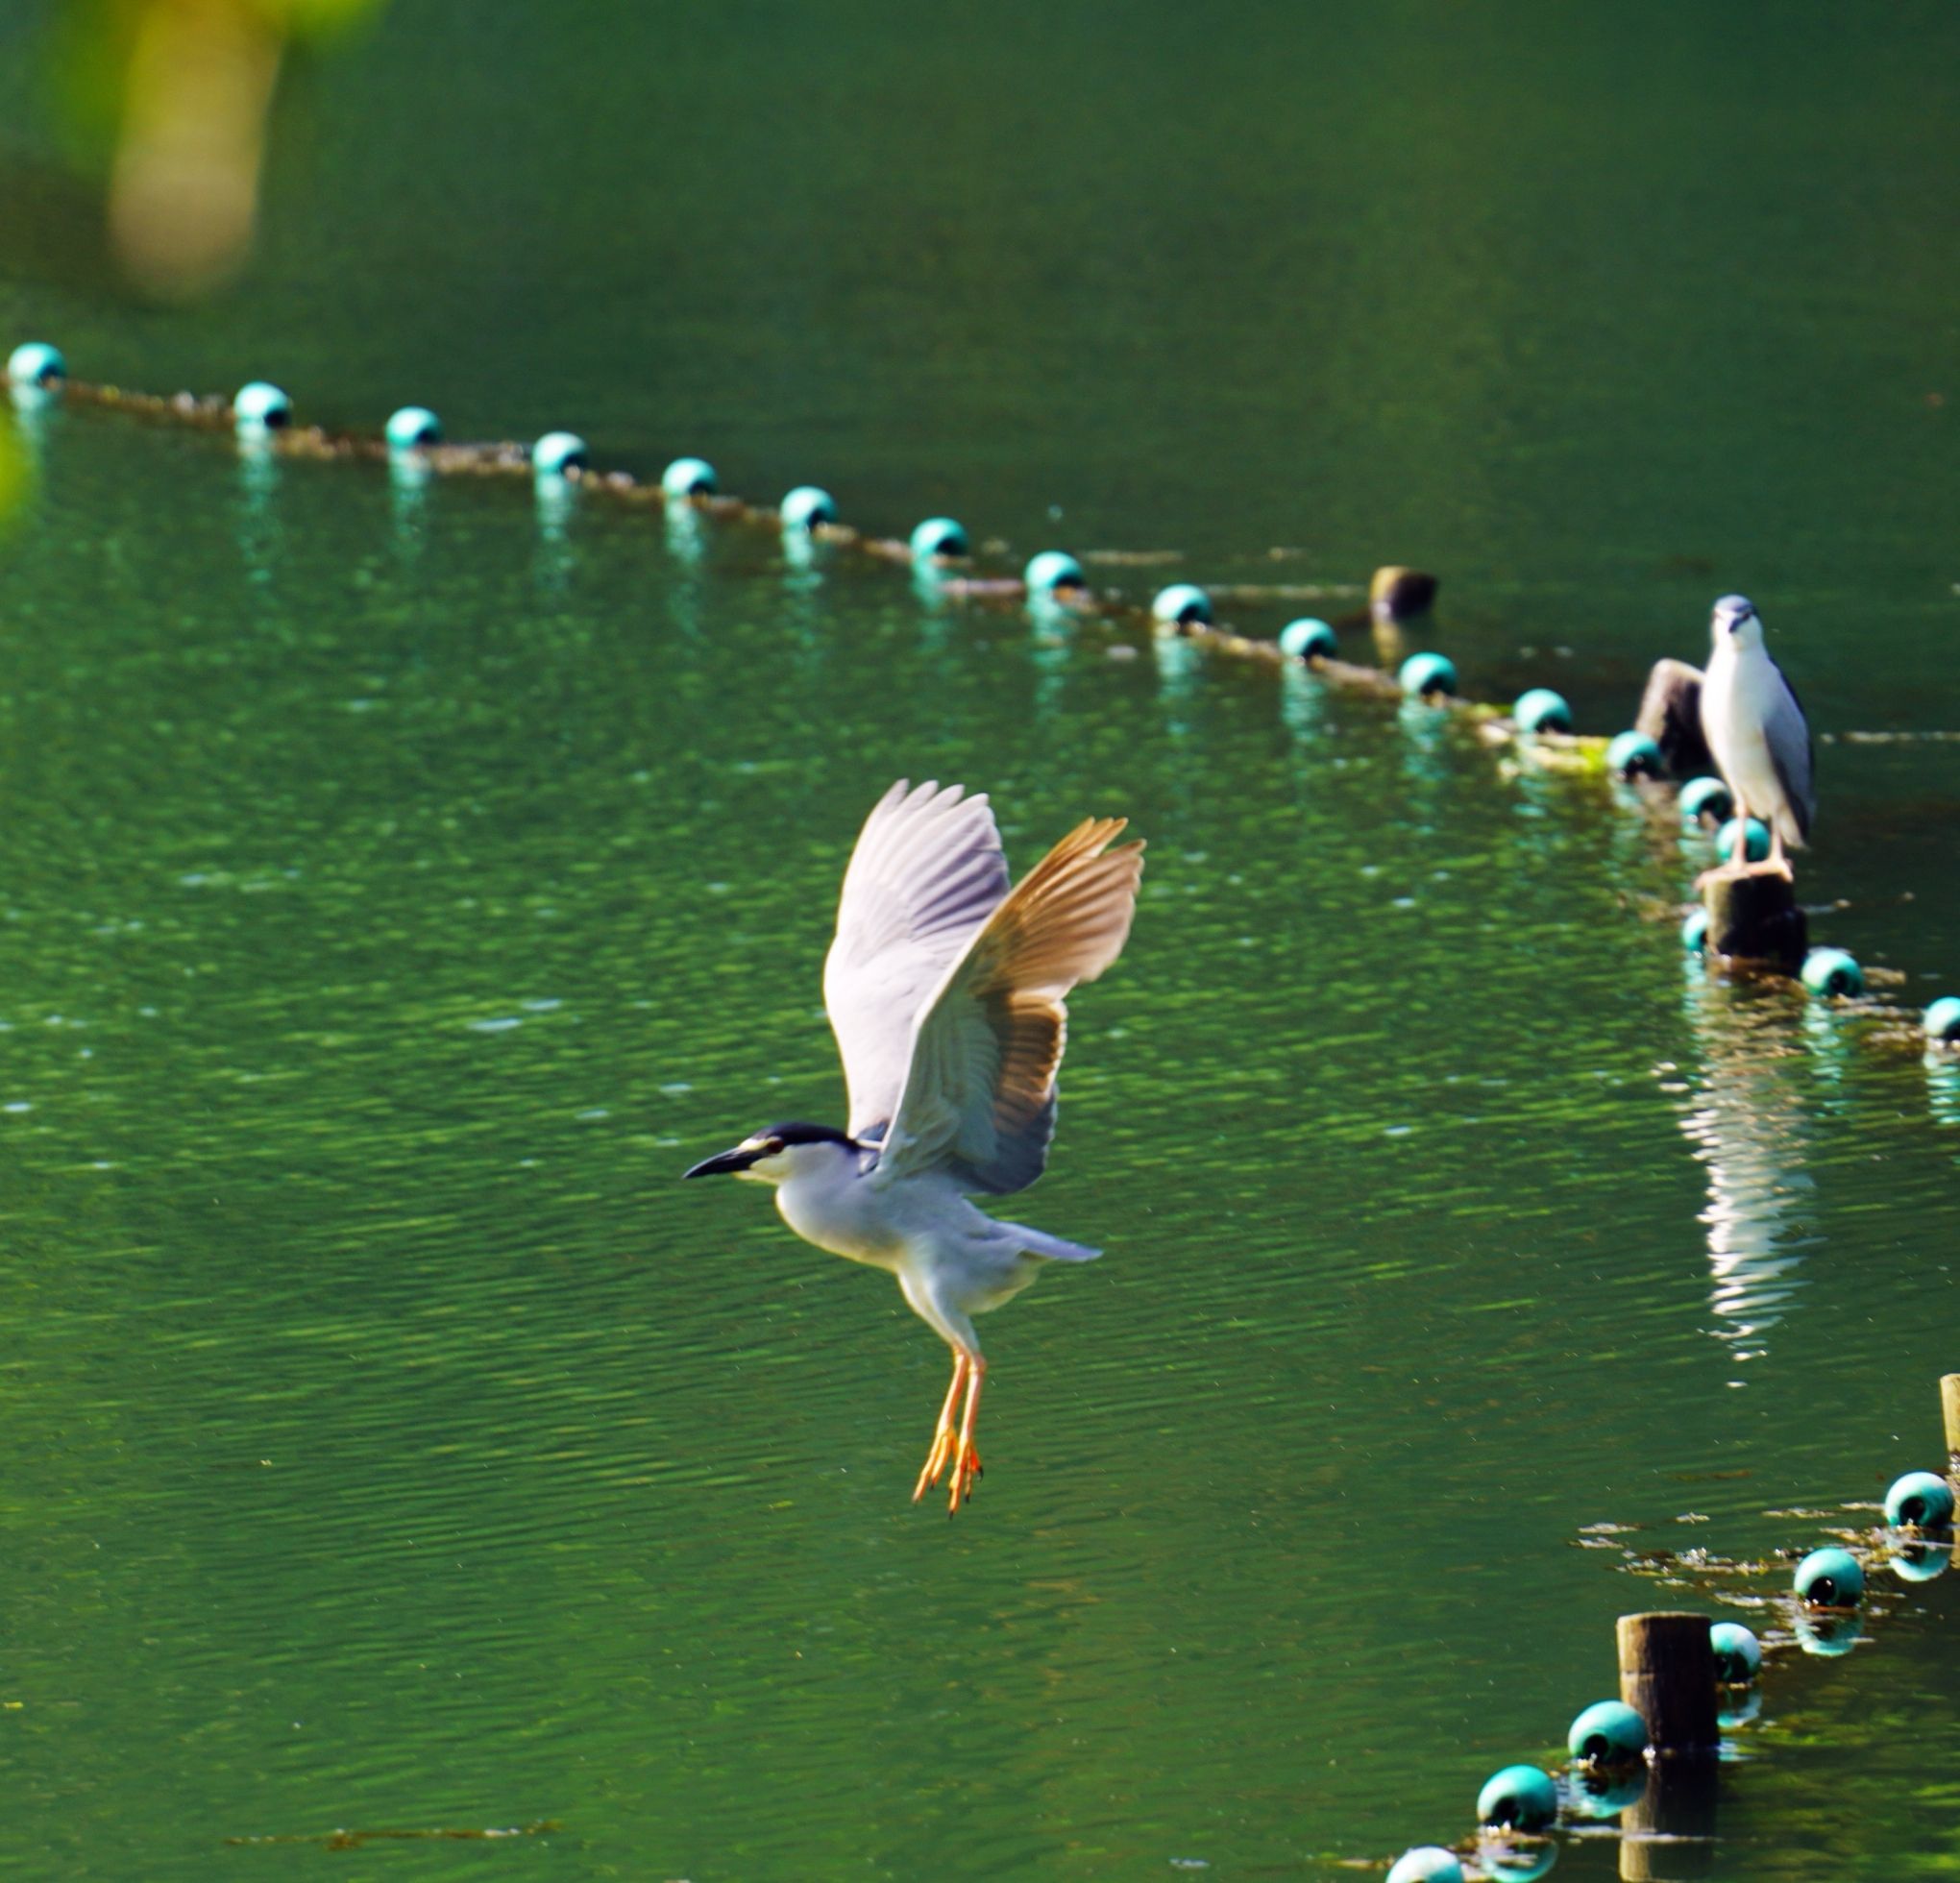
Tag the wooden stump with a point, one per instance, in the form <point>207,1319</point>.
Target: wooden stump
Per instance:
<point>1756,917</point>
<point>1667,1675</point>
<point>1668,1835</point>
<point>1396,593</point>
<point>1671,716</point>
<point>1949,1403</point>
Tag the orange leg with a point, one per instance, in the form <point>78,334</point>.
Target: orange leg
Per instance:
<point>942,1433</point>
<point>965,1458</point>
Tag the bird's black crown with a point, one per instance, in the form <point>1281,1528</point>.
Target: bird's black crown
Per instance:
<point>792,1132</point>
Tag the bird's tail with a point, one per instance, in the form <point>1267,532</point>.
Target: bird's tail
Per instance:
<point>1049,1248</point>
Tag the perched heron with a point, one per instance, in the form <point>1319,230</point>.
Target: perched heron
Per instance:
<point>1756,729</point>
<point>947,991</point>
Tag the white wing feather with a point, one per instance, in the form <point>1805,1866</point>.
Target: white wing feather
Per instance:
<point>979,1097</point>
<point>926,873</point>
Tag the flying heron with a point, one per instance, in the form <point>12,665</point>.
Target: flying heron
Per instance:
<point>1756,729</point>
<point>947,991</point>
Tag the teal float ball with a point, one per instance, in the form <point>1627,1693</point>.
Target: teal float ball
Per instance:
<point>1943,1018</point>
<point>1705,798</point>
<point>1832,971</point>
<point>1541,710</point>
<point>806,506</point>
<point>1695,931</point>
<point>1308,638</point>
<point>689,477</point>
<point>1608,1733</point>
<point>1052,571</point>
<point>261,406</point>
<point>35,363</point>
<point>1501,1861</point>
<point>1758,840</point>
<point>1738,1653</point>
<point>558,453</point>
<point>1635,755</point>
<point>1921,1499</point>
<point>1520,1798</point>
<point>939,536</point>
<point>411,427</point>
<point>1428,1863</point>
<point>1830,1578</point>
<point>1182,603</point>
<point>1600,1792</point>
<point>1425,675</point>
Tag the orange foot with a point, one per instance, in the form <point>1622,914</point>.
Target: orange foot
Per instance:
<point>944,1442</point>
<point>967,1467</point>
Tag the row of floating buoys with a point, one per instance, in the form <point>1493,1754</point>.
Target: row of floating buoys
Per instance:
<point>261,409</point>
<point>1609,1742</point>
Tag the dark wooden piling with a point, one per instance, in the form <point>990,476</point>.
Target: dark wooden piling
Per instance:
<point>1668,1834</point>
<point>1949,1403</point>
<point>1397,594</point>
<point>1671,716</point>
<point>1667,1675</point>
<point>1754,917</point>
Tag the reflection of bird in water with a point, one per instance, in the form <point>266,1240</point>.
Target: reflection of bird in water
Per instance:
<point>1759,734</point>
<point>1747,1122</point>
<point>945,990</point>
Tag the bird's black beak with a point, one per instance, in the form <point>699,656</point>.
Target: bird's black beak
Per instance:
<point>726,1163</point>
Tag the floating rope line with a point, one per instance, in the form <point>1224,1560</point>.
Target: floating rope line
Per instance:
<point>1539,725</point>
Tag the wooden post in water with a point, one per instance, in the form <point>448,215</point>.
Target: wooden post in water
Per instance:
<point>1756,917</point>
<point>1667,1675</point>
<point>1949,1402</point>
<point>1671,716</point>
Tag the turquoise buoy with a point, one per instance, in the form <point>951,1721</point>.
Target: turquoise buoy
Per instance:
<point>1832,971</point>
<point>1309,638</point>
<point>1608,1732</point>
<point>558,453</point>
<point>1520,1798</point>
<point>689,477</point>
<point>1182,603</point>
<point>261,406</point>
<point>1943,1018</point>
<point>413,426</point>
<point>1831,1578</point>
<point>1695,932</point>
<point>1921,1499</point>
<point>1737,1706</point>
<point>939,536</point>
<point>1920,1562</point>
<point>1758,840</point>
<point>1051,570</point>
<point>35,363</point>
<point>806,506</point>
<point>1428,1863</point>
<point>1635,755</point>
<point>1424,674</point>
<point>1738,1653</point>
<point>1541,710</point>
<point>1705,798</point>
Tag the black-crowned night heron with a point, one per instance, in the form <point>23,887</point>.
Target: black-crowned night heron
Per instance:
<point>947,991</point>
<point>1759,734</point>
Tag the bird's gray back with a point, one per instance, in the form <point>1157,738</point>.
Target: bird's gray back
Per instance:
<point>1787,733</point>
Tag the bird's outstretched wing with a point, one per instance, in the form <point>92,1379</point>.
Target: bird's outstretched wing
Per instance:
<point>1787,734</point>
<point>979,1096</point>
<point>925,875</point>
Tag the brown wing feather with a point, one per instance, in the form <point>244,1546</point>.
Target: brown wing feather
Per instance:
<point>981,1090</point>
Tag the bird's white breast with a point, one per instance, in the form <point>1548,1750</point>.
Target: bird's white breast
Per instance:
<point>1737,693</point>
